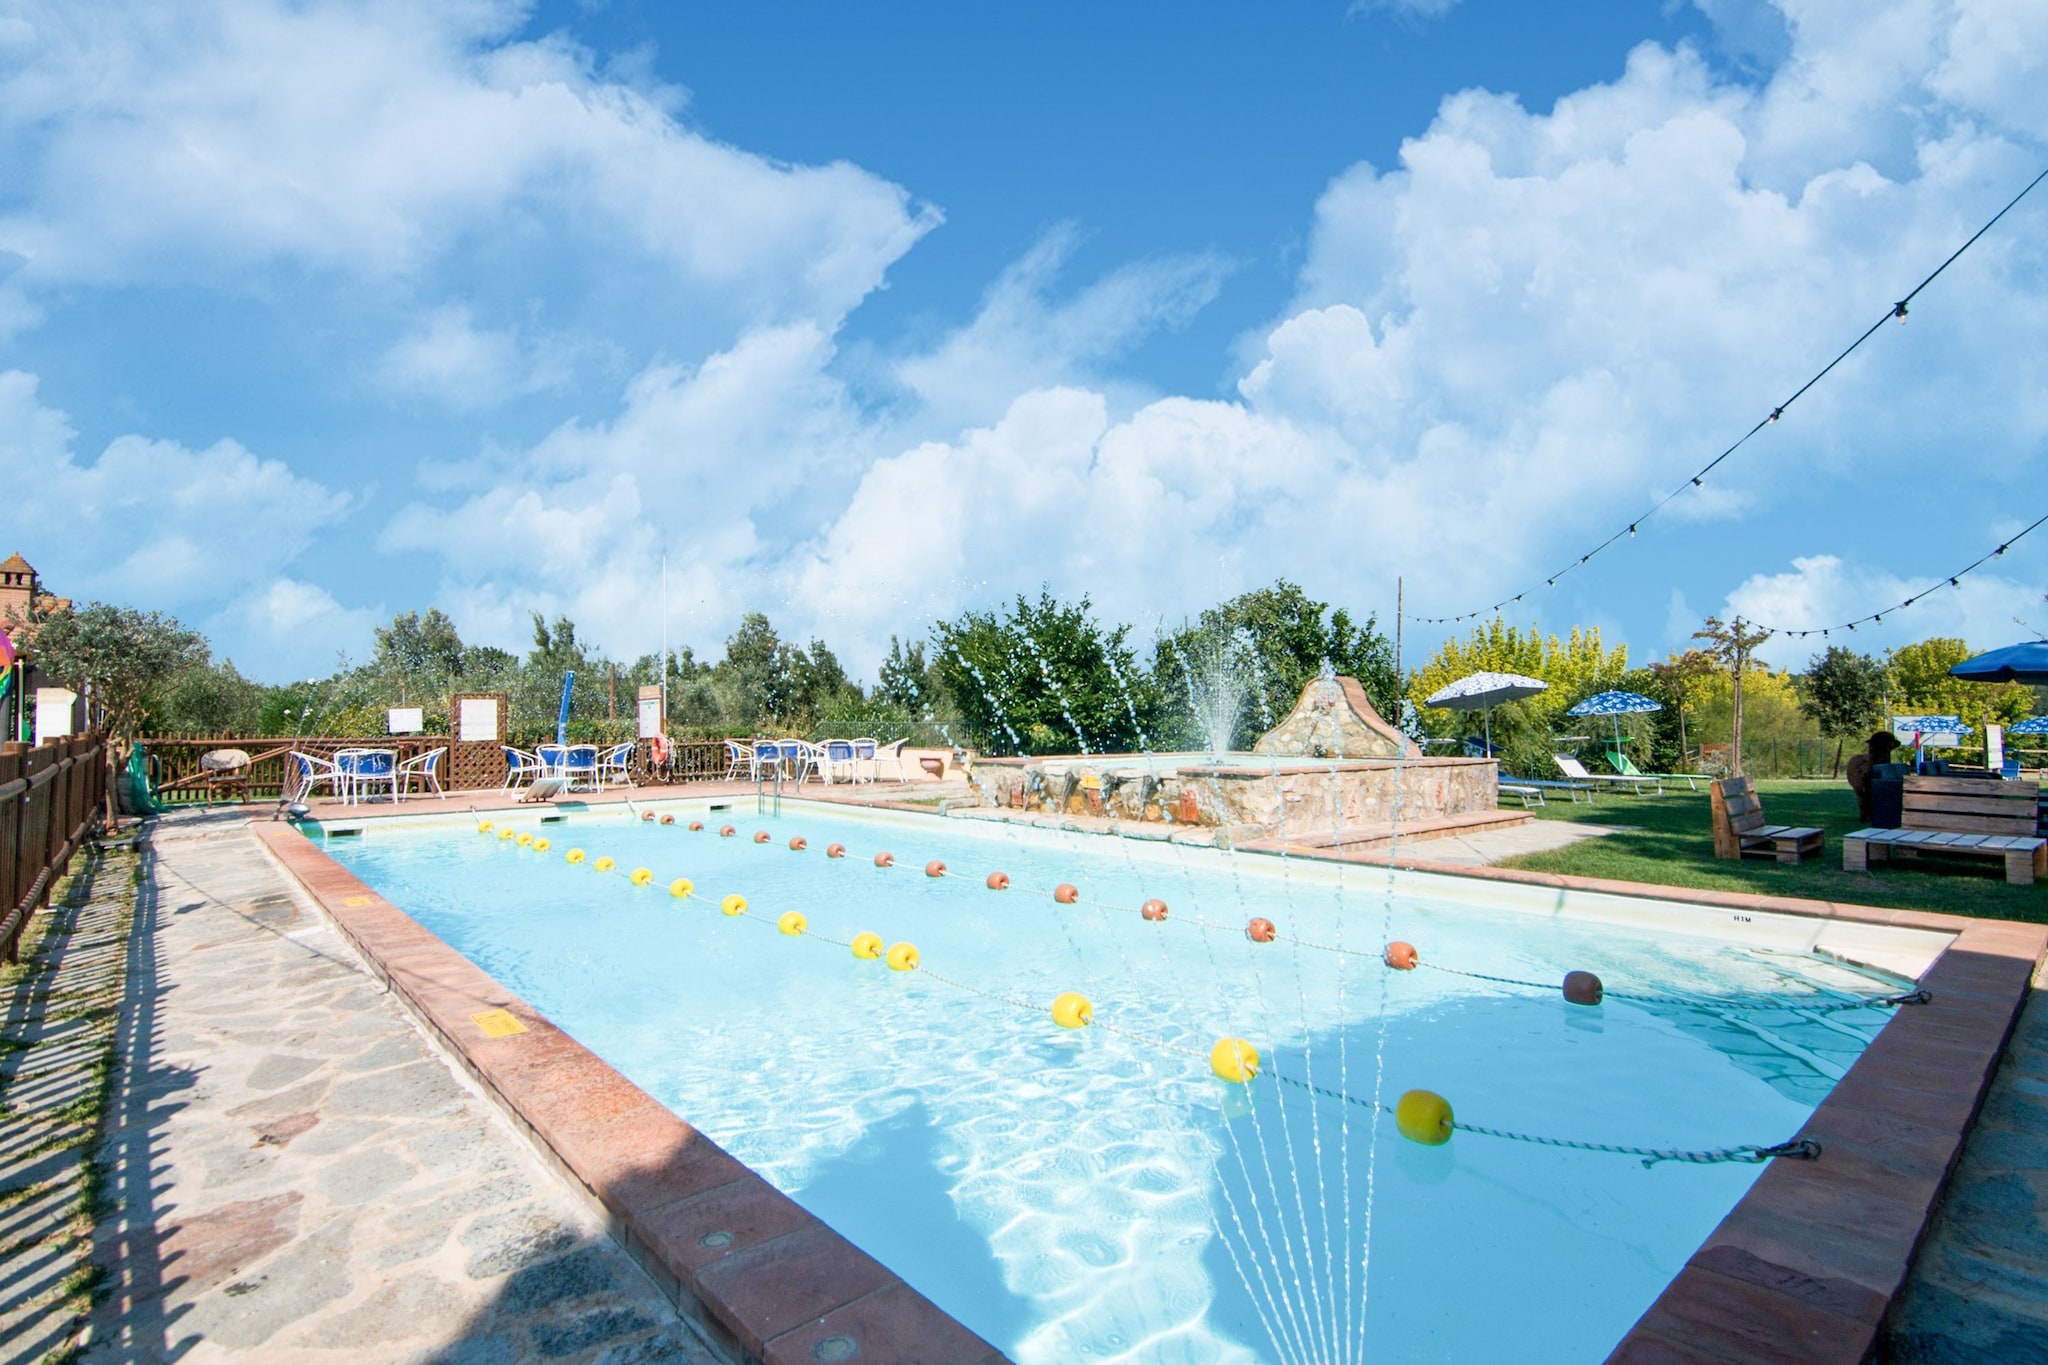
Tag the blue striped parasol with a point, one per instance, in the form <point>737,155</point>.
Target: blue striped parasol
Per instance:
<point>1617,705</point>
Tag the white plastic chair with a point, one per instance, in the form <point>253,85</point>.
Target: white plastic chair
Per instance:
<point>836,760</point>
<point>422,766</point>
<point>521,766</point>
<point>314,770</point>
<point>615,766</point>
<point>365,769</point>
<point>864,753</point>
<point>741,760</point>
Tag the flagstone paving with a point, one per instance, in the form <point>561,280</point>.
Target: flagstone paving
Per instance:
<point>288,1172</point>
<point>1979,1286</point>
<point>56,1057</point>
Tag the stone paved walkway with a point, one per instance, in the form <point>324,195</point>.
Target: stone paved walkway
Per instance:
<point>292,1174</point>
<point>56,1057</point>
<point>1979,1286</point>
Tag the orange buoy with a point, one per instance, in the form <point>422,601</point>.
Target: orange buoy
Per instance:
<point>798,843</point>
<point>760,836</point>
<point>835,850</point>
<point>1065,893</point>
<point>726,831</point>
<point>885,860</point>
<point>999,881</point>
<point>1260,930</point>
<point>645,816</point>
<point>1401,956</point>
<point>935,868</point>
<point>1153,910</point>
<point>668,819</point>
<point>696,825</point>
<point>1582,988</point>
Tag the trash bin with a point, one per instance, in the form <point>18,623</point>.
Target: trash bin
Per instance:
<point>1888,795</point>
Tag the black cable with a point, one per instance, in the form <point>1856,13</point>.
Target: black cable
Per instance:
<point>1897,310</point>
<point>1952,581</point>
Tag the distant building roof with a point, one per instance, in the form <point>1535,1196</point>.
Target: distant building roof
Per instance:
<point>14,563</point>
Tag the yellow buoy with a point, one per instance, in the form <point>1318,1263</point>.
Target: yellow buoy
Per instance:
<point>1072,1010</point>
<point>541,845</point>
<point>483,827</point>
<point>1424,1116</point>
<point>604,864</point>
<point>525,840</point>
<point>574,855</point>
<point>506,833</point>
<point>792,923</point>
<point>1234,1060</point>
<point>902,957</point>
<point>643,876</point>
<point>734,904</point>
<point>681,887</point>
<point>867,947</point>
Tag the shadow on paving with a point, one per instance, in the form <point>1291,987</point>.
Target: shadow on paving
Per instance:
<point>321,1262</point>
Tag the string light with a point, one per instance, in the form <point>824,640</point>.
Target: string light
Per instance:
<point>1954,581</point>
<point>1896,310</point>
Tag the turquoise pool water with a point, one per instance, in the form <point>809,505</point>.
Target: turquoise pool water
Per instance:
<point>1099,1194</point>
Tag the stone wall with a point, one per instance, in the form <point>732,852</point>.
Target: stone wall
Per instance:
<point>1254,799</point>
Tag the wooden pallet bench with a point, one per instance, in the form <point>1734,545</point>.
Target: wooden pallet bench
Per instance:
<point>1960,817</point>
<point>1740,830</point>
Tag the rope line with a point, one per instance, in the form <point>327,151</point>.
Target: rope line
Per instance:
<point>1913,997</point>
<point>1896,310</point>
<point>1803,1149</point>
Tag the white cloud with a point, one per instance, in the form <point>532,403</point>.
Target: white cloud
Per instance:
<point>452,361</point>
<point>191,142</point>
<point>152,521</point>
<point>1987,609</point>
<point>297,628</point>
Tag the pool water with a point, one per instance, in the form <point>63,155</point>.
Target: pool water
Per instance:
<point>1098,1194</point>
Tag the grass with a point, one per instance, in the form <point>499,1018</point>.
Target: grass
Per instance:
<point>1670,842</point>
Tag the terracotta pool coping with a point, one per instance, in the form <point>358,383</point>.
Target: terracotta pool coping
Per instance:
<point>1804,1268</point>
<point>761,1277</point>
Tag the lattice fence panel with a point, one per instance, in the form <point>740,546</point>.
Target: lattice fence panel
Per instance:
<point>475,763</point>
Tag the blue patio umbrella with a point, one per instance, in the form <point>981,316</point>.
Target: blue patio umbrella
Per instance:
<point>2037,725</point>
<point>1617,705</point>
<point>1483,692</point>
<point>2027,663</point>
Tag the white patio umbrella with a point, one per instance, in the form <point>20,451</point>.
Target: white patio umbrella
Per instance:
<point>1483,692</point>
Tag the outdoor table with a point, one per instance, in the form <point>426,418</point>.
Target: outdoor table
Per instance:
<point>361,768</point>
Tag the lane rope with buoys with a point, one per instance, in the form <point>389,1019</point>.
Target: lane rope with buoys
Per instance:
<point>1420,1116</point>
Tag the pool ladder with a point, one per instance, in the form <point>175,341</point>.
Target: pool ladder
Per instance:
<point>770,799</point>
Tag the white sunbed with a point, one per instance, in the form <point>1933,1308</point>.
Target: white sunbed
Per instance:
<point>1576,771</point>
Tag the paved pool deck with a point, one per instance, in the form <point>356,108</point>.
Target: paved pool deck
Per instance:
<point>289,1171</point>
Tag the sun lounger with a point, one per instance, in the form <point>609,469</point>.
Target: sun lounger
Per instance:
<point>1576,771</point>
<point>1626,767</point>
<point>545,789</point>
<point>1530,795</point>
<point>1578,791</point>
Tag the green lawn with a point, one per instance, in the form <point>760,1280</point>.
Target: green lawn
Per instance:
<point>1671,843</point>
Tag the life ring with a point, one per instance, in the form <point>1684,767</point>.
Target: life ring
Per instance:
<point>657,749</point>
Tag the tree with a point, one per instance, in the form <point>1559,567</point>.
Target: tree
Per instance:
<point>1678,679</point>
<point>1046,679</point>
<point>1922,685</point>
<point>420,656</point>
<point>1730,643</point>
<point>1275,639</point>
<point>1844,693</point>
<point>206,699</point>
<point>1575,666</point>
<point>116,655</point>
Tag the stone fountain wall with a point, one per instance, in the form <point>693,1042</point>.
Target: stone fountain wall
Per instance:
<point>1252,797</point>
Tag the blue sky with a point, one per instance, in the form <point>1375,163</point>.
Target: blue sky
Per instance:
<point>310,313</point>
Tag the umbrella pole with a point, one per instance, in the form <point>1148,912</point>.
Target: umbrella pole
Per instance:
<point>1488,714</point>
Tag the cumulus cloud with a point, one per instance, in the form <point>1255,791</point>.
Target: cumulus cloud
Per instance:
<point>192,142</point>
<point>452,361</point>
<point>154,521</point>
<point>297,628</point>
<point>1988,609</point>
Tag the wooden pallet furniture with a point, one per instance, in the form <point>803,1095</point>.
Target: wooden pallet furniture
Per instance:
<point>1740,830</point>
<point>1968,817</point>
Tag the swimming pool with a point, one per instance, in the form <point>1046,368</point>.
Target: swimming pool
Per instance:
<point>1098,1194</point>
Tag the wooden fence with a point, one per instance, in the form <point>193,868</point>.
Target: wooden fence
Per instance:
<point>177,779</point>
<point>50,798</point>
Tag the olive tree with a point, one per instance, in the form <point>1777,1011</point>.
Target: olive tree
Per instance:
<point>116,656</point>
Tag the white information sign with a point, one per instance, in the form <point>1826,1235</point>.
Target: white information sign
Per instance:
<point>478,720</point>
<point>650,717</point>
<point>407,720</point>
<point>1994,748</point>
<point>53,713</point>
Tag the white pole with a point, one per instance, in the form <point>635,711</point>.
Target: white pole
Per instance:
<point>664,642</point>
